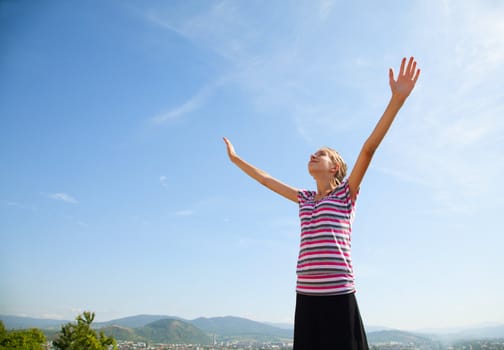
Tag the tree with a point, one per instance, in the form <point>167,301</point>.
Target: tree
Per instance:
<point>24,339</point>
<point>80,336</point>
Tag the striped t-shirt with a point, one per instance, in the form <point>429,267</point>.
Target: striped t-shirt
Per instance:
<point>325,263</point>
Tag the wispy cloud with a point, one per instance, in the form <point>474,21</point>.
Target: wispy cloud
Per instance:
<point>326,7</point>
<point>184,213</point>
<point>452,139</point>
<point>60,196</point>
<point>163,180</point>
<point>192,104</point>
<point>12,204</point>
<point>285,65</point>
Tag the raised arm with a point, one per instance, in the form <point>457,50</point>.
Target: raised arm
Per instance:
<point>401,88</point>
<point>260,175</point>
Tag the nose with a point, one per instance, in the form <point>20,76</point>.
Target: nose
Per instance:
<point>313,156</point>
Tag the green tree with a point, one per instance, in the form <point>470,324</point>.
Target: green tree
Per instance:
<point>80,336</point>
<point>24,339</point>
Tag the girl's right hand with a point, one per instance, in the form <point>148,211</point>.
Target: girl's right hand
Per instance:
<point>230,149</point>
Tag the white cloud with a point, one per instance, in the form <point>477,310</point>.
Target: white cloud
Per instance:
<point>164,181</point>
<point>184,213</point>
<point>288,70</point>
<point>11,204</point>
<point>449,134</point>
<point>64,197</point>
<point>177,112</point>
<point>326,7</point>
<point>194,103</point>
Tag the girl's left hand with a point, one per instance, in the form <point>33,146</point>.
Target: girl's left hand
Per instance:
<point>406,79</point>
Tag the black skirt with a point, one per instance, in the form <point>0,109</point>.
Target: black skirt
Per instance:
<point>328,323</point>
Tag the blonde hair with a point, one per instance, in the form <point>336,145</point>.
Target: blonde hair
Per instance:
<point>337,160</point>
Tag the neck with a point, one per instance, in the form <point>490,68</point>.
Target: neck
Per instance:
<point>324,188</point>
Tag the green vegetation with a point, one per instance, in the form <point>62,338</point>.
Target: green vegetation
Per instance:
<point>80,335</point>
<point>175,332</point>
<point>167,331</point>
<point>27,339</point>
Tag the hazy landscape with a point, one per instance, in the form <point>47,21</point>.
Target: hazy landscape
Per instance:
<point>225,330</point>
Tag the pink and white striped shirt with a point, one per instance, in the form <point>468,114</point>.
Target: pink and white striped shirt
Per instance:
<point>325,263</point>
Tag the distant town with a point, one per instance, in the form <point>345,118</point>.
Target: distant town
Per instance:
<point>495,344</point>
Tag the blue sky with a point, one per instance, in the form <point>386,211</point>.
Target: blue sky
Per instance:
<point>117,195</point>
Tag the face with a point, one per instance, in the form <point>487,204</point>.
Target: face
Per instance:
<point>320,162</point>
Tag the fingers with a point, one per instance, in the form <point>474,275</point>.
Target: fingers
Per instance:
<point>413,68</point>
<point>228,143</point>
<point>410,64</point>
<point>401,69</point>
<point>410,72</point>
<point>229,146</point>
<point>416,76</point>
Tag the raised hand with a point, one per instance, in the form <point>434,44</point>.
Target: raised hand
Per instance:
<point>230,149</point>
<point>406,79</point>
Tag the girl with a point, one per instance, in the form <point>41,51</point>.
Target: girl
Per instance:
<point>327,315</point>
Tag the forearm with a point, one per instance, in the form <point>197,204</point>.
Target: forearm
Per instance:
<point>383,124</point>
<point>255,173</point>
<point>266,179</point>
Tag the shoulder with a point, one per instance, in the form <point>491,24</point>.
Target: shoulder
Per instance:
<point>305,195</point>
<point>342,190</point>
<point>344,193</point>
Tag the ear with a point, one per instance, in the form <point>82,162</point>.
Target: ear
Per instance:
<point>334,169</point>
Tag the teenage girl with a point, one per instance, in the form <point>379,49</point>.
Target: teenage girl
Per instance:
<point>327,316</point>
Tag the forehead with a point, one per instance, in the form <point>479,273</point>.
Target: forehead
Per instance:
<point>322,152</point>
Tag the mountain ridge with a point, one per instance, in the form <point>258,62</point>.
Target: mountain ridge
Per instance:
<point>232,327</point>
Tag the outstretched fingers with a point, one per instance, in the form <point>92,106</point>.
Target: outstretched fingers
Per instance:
<point>229,146</point>
<point>417,74</point>
<point>401,69</point>
<point>391,75</point>
<point>406,78</point>
<point>412,72</point>
<point>411,63</point>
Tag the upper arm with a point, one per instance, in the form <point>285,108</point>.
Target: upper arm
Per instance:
<point>359,169</point>
<point>282,189</point>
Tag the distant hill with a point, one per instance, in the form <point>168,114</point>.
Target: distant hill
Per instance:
<point>135,321</point>
<point>200,330</point>
<point>241,327</point>
<point>122,333</point>
<point>17,322</point>
<point>171,331</point>
<point>167,331</point>
<point>396,336</point>
<point>489,332</point>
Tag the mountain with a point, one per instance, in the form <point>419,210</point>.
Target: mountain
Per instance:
<point>468,333</point>
<point>167,331</point>
<point>171,331</point>
<point>18,322</point>
<point>150,328</point>
<point>240,327</point>
<point>396,336</point>
<point>122,333</point>
<point>135,321</point>
<point>281,325</point>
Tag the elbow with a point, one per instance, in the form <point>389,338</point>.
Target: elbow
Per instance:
<point>265,180</point>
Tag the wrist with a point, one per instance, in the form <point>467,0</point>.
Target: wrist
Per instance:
<point>397,100</point>
<point>234,158</point>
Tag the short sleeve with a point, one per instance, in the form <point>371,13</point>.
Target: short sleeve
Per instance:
<point>303,196</point>
<point>344,191</point>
